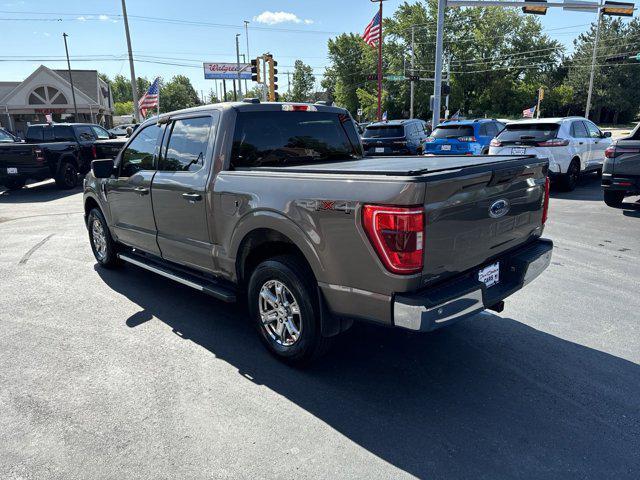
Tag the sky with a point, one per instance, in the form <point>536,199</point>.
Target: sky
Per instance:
<point>189,32</point>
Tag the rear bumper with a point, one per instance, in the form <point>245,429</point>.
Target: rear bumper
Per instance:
<point>627,183</point>
<point>465,295</point>
<point>25,172</point>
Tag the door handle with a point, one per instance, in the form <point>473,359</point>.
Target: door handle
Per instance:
<point>580,143</point>
<point>192,197</point>
<point>141,190</point>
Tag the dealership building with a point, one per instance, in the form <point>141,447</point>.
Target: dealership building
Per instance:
<point>48,91</point>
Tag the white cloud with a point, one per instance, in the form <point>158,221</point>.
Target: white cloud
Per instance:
<point>273,18</point>
<point>46,34</point>
<point>104,18</point>
<point>82,19</point>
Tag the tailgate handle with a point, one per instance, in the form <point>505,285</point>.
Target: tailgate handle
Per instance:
<point>504,176</point>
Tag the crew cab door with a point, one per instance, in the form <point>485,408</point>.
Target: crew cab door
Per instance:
<point>179,190</point>
<point>129,195</point>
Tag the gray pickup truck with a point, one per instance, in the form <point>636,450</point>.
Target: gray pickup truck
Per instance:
<point>621,171</point>
<point>276,204</point>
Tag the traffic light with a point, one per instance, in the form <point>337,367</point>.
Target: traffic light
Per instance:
<point>616,58</point>
<point>273,80</point>
<point>255,70</point>
<point>445,89</point>
<point>618,9</point>
<point>535,9</point>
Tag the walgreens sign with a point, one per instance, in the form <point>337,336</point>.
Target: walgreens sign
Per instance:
<point>226,71</point>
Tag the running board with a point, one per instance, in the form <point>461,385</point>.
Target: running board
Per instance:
<point>202,285</point>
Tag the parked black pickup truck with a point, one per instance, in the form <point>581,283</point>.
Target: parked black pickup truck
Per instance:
<point>59,151</point>
<point>275,204</point>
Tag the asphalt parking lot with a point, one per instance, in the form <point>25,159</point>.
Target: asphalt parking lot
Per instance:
<point>122,374</point>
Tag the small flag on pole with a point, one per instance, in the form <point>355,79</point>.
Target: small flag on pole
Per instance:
<point>371,34</point>
<point>528,112</point>
<point>150,99</point>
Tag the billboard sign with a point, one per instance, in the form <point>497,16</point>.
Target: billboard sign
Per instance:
<point>226,71</point>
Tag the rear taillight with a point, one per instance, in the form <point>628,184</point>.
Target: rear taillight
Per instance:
<point>39,155</point>
<point>467,139</point>
<point>397,234</point>
<point>545,201</point>
<point>495,143</point>
<point>94,152</point>
<point>610,152</point>
<point>554,142</point>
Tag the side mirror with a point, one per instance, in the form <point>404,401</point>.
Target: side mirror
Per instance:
<point>102,168</point>
<point>606,134</point>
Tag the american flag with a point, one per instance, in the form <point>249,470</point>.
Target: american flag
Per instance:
<point>150,99</point>
<point>371,34</point>
<point>528,112</point>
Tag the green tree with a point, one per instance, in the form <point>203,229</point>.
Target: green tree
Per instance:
<point>177,94</point>
<point>121,88</point>
<point>124,108</point>
<point>303,82</point>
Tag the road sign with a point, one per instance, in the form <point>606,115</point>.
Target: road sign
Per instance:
<point>395,78</point>
<point>413,78</point>
<point>635,57</point>
<point>359,112</point>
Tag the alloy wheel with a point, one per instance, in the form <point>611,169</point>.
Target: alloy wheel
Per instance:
<point>99,238</point>
<point>280,313</point>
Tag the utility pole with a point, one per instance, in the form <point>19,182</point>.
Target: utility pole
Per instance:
<point>413,65</point>
<point>288,84</point>
<point>244,61</point>
<point>73,91</point>
<point>446,98</point>
<point>134,87</point>
<point>238,62</point>
<point>437,84</point>
<point>593,65</point>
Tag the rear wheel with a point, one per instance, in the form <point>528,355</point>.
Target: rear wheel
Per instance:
<point>67,176</point>
<point>485,151</point>
<point>569,180</point>
<point>283,305</point>
<point>14,183</point>
<point>614,198</point>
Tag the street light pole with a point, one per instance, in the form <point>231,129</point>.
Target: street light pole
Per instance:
<point>413,58</point>
<point>437,83</point>
<point>134,87</point>
<point>593,65</point>
<point>238,62</point>
<point>73,91</point>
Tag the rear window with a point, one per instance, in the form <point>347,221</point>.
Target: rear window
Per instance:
<point>384,131</point>
<point>452,131</point>
<point>34,134</point>
<point>538,132</point>
<point>275,139</point>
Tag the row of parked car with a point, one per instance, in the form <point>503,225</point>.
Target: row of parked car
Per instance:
<point>573,145</point>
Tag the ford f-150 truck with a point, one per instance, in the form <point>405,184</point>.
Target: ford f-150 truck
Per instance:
<point>621,173</point>
<point>274,203</point>
<point>60,151</point>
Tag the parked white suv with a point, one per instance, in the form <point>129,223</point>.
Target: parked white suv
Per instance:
<point>573,145</point>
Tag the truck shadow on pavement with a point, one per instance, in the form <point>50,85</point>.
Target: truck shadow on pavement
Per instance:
<point>589,187</point>
<point>487,398</point>
<point>37,193</point>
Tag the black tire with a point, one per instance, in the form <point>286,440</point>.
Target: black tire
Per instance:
<point>614,198</point>
<point>599,173</point>
<point>569,180</point>
<point>293,273</point>
<point>485,151</point>
<point>67,176</point>
<point>15,183</point>
<point>107,257</point>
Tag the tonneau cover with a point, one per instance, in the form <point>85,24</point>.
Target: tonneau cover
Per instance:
<point>402,166</point>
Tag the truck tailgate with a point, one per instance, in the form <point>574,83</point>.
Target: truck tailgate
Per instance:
<point>16,155</point>
<point>482,211</point>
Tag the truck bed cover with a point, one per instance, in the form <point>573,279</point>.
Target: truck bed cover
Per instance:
<point>400,166</point>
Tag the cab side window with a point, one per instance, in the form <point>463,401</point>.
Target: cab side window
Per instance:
<point>100,132</point>
<point>139,154</point>
<point>85,134</point>
<point>492,130</point>
<point>578,130</point>
<point>187,145</point>
<point>594,132</point>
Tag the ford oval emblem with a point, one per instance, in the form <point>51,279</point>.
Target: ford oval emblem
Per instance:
<point>499,208</point>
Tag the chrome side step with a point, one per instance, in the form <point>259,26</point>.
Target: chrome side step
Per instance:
<point>210,288</point>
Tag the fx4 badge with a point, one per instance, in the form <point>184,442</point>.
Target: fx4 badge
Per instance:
<point>327,205</point>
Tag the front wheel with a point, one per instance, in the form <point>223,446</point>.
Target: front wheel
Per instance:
<point>283,305</point>
<point>104,247</point>
<point>613,198</point>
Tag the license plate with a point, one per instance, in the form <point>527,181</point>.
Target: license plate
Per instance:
<point>490,275</point>
<point>518,151</point>
<point>379,149</point>
<point>12,170</point>
<point>445,147</point>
